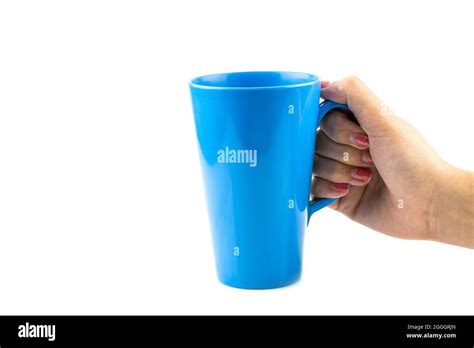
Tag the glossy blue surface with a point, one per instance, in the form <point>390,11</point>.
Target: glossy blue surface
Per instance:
<point>258,198</point>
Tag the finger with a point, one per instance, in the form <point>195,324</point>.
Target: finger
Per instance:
<point>365,105</point>
<point>343,131</point>
<point>348,155</point>
<point>326,189</point>
<point>337,172</point>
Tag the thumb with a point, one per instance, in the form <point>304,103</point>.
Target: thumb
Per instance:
<point>368,109</point>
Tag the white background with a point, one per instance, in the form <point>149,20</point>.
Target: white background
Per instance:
<point>101,201</point>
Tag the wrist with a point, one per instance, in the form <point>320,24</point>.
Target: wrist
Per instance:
<point>452,214</point>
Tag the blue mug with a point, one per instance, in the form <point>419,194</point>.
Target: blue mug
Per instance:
<point>256,133</point>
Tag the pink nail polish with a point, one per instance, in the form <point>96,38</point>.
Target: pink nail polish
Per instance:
<point>341,187</point>
<point>361,174</point>
<point>359,139</point>
<point>325,84</point>
<point>367,158</point>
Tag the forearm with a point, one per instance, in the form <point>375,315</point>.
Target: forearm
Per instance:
<point>453,220</point>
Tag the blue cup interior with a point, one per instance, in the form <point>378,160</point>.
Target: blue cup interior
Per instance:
<point>255,79</point>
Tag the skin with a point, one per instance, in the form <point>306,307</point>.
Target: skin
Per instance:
<point>410,192</point>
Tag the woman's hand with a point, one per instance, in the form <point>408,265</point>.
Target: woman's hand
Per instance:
<point>386,175</point>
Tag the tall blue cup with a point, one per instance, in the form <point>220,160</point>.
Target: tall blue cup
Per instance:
<point>256,133</point>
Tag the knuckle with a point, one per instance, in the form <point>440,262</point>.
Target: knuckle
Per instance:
<point>332,122</point>
<point>327,125</point>
<point>339,117</point>
<point>351,81</point>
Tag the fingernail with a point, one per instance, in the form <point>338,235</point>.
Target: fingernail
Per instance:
<point>359,139</point>
<point>325,84</point>
<point>341,187</point>
<point>367,158</point>
<point>361,174</point>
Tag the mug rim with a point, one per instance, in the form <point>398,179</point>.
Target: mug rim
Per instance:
<point>197,81</point>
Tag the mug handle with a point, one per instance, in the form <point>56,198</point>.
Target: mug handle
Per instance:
<point>324,108</point>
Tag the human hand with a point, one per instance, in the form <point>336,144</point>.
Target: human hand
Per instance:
<point>386,175</point>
